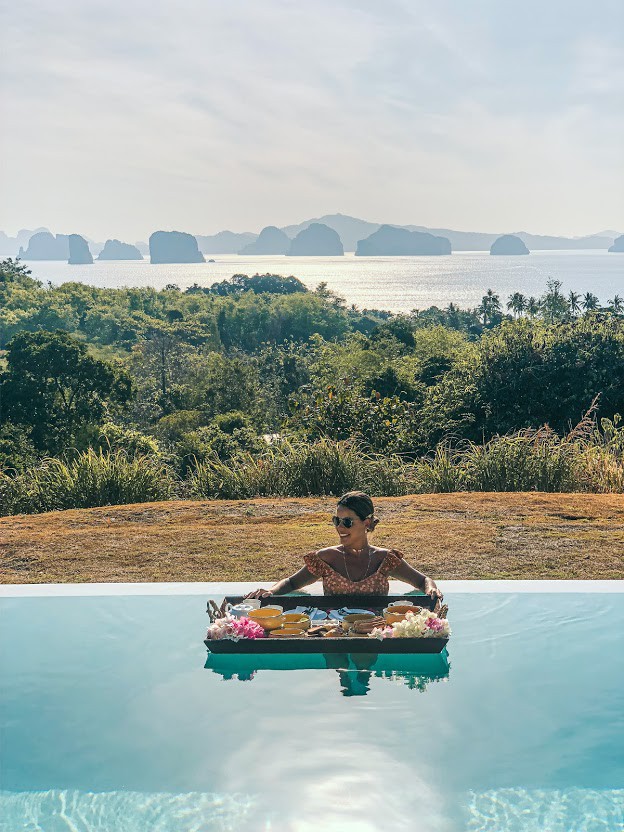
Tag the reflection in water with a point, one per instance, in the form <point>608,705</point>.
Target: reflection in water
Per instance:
<point>355,670</point>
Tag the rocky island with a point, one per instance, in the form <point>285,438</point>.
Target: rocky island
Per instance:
<point>79,253</point>
<point>225,242</point>
<point>174,247</point>
<point>618,244</point>
<point>271,240</point>
<point>116,250</point>
<point>392,241</point>
<point>45,246</point>
<point>509,244</point>
<point>317,240</point>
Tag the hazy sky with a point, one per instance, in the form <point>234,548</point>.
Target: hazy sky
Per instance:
<point>120,118</point>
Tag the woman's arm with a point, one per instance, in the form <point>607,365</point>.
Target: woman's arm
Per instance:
<point>300,579</point>
<point>405,572</point>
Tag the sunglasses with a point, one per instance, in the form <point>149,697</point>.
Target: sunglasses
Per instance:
<point>347,522</point>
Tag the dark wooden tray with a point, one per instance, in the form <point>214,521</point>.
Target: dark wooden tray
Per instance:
<point>348,644</point>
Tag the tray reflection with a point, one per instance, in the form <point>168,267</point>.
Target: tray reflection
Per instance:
<point>355,670</point>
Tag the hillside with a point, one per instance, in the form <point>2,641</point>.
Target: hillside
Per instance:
<point>452,536</point>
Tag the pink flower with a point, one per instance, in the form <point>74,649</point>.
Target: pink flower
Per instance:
<point>246,628</point>
<point>434,624</point>
<point>234,629</point>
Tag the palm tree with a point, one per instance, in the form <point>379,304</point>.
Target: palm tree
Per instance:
<point>489,307</point>
<point>616,305</point>
<point>590,302</point>
<point>553,303</point>
<point>574,303</point>
<point>517,302</point>
<point>532,306</point>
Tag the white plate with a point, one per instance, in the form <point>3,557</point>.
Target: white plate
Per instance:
<point>314,613</point>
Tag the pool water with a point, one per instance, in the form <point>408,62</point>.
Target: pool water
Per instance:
<point>114,717</point>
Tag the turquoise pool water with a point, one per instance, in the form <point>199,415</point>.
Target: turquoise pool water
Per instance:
<point>113,717</point>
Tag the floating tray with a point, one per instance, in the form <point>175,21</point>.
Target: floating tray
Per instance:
<point>346,644</point>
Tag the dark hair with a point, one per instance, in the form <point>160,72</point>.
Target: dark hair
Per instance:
<point>361,504</point>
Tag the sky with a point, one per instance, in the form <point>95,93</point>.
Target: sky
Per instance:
<point>121,118</point>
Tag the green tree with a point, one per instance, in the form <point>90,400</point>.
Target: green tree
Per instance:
<point>525,375</point>
<point>553,303</point>
<point>532,307</point>
<point>53,386</point>
<point>574,303</point>
<point>490,308</point>
<point>517,303</point>
<point>590,302</point>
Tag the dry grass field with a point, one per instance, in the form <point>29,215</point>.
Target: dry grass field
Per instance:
<point>469,536</point>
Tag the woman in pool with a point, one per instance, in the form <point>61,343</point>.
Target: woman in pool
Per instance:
<point>353,567</point>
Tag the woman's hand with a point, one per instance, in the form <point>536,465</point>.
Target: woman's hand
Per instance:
<point>259,593</point>
<point>434,593</point>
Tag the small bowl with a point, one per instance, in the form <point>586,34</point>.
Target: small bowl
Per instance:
<point>394,617</point>
<point>288,632</point>
<point>268,619</point>
<point>297,619</point>
<point>402,610</point>
<point>348,620</point>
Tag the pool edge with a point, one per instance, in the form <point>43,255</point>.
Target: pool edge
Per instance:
<point>240,587</point>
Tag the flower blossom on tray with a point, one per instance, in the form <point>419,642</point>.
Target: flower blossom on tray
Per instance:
<point>423,624</point>
<point>234,629</point>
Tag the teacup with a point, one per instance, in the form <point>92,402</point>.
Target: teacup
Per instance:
<point>241,610</point>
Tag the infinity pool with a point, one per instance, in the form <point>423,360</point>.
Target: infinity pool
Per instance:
<point>114,718</point>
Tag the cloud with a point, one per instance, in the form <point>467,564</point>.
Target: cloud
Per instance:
<point>124,117</point>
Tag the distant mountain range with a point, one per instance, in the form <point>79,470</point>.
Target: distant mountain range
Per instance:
<point>350,230</point>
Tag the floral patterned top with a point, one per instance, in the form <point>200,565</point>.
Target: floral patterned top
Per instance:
<point>336,584</point>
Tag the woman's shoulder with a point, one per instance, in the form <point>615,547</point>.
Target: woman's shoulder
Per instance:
<point>319,561</point>
<point>384,553</point>
<point>327,554</point>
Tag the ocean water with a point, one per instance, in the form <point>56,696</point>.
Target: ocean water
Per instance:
<point>114,718</point>
<point>398,284</point>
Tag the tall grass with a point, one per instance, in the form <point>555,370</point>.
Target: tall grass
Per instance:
<point>589,458</point>
<point>92,478</point>
<point>529,460</point>
<point>440,473</point>
<point>603,458</point>
<point>299,470</point>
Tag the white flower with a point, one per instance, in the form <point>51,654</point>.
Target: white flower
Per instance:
<point>417,625</point>
<point>222,628</point>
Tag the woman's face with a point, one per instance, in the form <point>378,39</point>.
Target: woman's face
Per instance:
<point>355,535</point>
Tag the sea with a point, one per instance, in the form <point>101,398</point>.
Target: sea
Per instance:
<point>396,284</point>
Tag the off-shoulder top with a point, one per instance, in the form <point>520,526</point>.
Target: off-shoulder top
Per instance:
<point>336,584</point>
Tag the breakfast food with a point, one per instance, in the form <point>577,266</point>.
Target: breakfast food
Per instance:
<point>365,627</point>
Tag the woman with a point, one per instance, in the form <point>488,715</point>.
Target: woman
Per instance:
<point>353,567</point>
